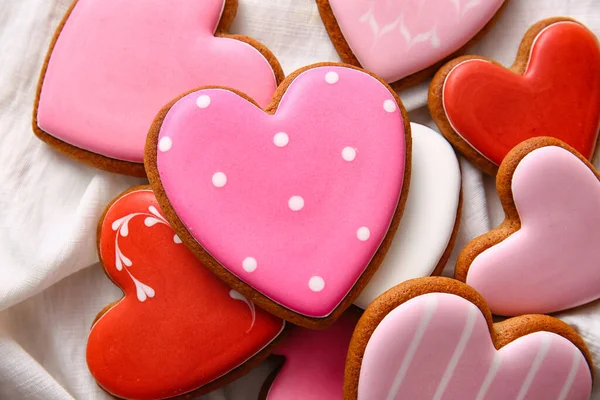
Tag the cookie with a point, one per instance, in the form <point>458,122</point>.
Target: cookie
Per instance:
<point>429,225</point>
<point>404,41</point>
<point>312,362</point>
<point>552,89</point>
<point>113,65</point>
<point>178,329</point>
<point>544,256</point>
<point>433,338</point>
<point>293,206</point>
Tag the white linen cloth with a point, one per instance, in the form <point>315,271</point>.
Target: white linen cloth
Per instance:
<point>51,285</point>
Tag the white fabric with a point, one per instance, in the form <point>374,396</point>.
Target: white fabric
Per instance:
<point>51,285</point>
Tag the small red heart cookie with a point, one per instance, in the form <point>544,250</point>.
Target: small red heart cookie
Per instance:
<point>544,257</point>
<point>552,89</point>
<point>433,338</point>
<point>403,41</point>
<point>179,328</point>
<point>313,362</point>
<point>114,64</point>
<point>294,206</point>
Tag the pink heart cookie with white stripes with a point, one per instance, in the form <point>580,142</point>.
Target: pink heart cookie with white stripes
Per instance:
<point>433,338</point>
<point>294,206</point>
<point>544,257</point>
<point>397,39</point>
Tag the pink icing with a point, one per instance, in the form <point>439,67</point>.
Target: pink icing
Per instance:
<point>117,63</point>
<point>297,203</point>
<point>551,263</point>
<point>315,361</point>
<point>438,346</point>
<point>398,38</point>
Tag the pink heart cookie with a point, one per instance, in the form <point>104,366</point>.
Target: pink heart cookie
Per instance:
<point>397,39</point>
<point>544,257</point>
<point>313,362</point>
<point>432,338</point>
<point>294,207</point>
<point>114,64</point>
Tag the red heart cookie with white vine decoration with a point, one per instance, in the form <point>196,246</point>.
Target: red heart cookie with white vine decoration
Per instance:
<point>294,206</point>
<point>312,362</point>
<point>113,64</point>
<point>178,328</point>
<point>433,338</point>
<point>552,89</point>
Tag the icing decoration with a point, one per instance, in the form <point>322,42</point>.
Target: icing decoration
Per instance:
<point>116,63</point>
<point>429,219</point>
<point>398,38</point>
<point>298,223</point>
<point>186,330</point>
<point>493,109</point>
<point>438,346</point>
<point>314,362</point>
<point>551,262</point>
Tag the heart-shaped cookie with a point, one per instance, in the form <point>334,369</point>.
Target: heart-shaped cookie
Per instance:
<point>179,328</point>
<point>552,89</point>
<point>429,225</point>
<point>114,64</point>
<point>313,362</point>
<point>294,206</point>
<point>433,338</point>
<point>544,256</point>
<point>403,40</point>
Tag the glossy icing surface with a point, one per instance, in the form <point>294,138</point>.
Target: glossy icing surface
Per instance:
<point>315,362</point>
<point>551,263</point>
<point>429,215</point>
<point>438,346</point>
<point>178,327</point>
<point>494,109</point>
<point>117,63</point>
<point>296,203</point>
<point>398,38</point>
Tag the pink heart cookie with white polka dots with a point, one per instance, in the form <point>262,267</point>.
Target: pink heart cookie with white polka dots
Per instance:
<point>294,206</point>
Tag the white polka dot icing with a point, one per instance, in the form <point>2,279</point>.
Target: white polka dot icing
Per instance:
<point>254,217</point>
<point>165,144</point>
<point>296,203</point>
<point>332,77</point>
<point>389,106</point>
<point>316,284</point>
<point>203,101</point>
<point>250,264</point>
<point>363,234</point>
<point>349,153</point>
<point>281,139</point>
<point>219,179</point>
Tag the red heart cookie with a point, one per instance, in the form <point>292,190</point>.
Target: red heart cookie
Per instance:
<point>313,362</point>
<point>114,64</point>
<point>544,257</point>
<point>433,338</point>
<point>553,89</point>
<point>179,328</point>
<point>295,206</point>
